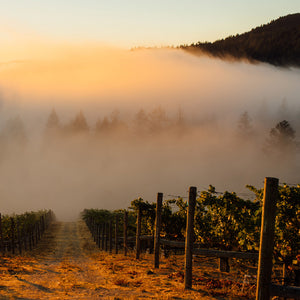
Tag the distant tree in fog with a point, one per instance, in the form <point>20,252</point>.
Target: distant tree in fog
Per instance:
<point>79,124</point>
<point>180,118</point>
<point>53,130</point>
<point>158,120</point>
<point>102,126</point>
<point>180,124</point>
<point>283,132</point>
<point>141,123</point>
<point>112,125</point>
<point>53,126</point>
<point>282,137</point>
<point>14,132</point>
<point>245,129</point>
<point>53,121</point>
<point>117,125</point>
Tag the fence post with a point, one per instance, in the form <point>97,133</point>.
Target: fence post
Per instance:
<point>19,237</point>
<point>106,236</point>
<point>1,236</point>
<point>157,229</point>
<point>12,228</point>
<point>267,239</point>
<point>25,238</point>
<point>99,235</point>
<point>29,237</point>
<point>103,236</point>
<point>125,231</point>
<point>94,229</point>
<point>224,264</point>
<point>138,233</point>
<point>189,239</point>
<point>33,235</point>
<point>43,224</point>
<point>110,236</point>
<point>116,233</point>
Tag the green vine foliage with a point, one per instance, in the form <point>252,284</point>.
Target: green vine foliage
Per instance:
<point>227,221</point>
<point>223,220</point>
<point>23,223</point>
<point>287,222</point>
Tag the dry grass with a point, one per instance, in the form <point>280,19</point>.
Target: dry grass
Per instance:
<point>70,266</point>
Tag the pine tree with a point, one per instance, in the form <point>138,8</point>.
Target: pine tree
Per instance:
<point>282,138</point>
<point>53,121</point>
<point>79,124</point>
<point>245,129</point>
<point>141,123</point>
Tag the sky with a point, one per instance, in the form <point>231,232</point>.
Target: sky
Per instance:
<point>134,23</point>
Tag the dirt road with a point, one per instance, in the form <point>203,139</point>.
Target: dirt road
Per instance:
<point>68,265</point>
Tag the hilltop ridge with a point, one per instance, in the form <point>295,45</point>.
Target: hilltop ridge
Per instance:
<point>277,43</point>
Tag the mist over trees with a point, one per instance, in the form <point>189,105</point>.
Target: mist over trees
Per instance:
<point>148,124</point>
<point>281,139</point>
<point>68,161</point>
<point>245,128</point>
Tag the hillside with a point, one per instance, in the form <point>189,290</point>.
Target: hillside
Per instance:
<point>277,43</point>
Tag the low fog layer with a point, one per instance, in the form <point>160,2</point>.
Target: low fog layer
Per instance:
<point>99,127</point>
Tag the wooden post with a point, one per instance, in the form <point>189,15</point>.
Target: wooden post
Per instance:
<point>106,236</point>
<point>267,239</point>
<point>189,238</point>
<point>43,224</point>
<point>96,233</point>
<point>29,237</point>
<point>157,229</point>
<point>94,230</point>
<point>138,233</point>
<point>19,237</point>
<point>32,235</point>
<point>99,235</point>
<point>25,238</point>
<point>116,233</point>
<point>110,236</point>
<point>1,236</point>
<point>36,232</point>
<point>125,232</point>
<point>41,227</point>
<point>12,229</point>
<point>102,237</point>
<point>224,264</point>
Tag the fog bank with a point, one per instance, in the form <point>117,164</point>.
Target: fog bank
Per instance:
<point>151,121</point>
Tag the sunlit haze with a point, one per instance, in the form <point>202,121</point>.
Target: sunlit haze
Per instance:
<point>88,122</point>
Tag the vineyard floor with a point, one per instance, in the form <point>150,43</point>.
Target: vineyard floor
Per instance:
<point>68,265</point>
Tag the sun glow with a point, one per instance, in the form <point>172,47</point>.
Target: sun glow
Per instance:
<point>74,71</point>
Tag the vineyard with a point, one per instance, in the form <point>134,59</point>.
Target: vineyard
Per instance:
<point>224,226</point>
<point>23,231</point>
<point>207,246</point>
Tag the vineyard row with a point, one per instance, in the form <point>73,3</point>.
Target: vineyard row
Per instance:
<point>100,223</point>
<point>23,232</point>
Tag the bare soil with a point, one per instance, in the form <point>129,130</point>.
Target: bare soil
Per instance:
<point>67,264</point>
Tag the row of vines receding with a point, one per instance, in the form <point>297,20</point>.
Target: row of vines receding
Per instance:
<point>223,221</point>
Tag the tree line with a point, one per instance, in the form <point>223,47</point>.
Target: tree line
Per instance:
<point>277,43</point>
<point>281,138</point>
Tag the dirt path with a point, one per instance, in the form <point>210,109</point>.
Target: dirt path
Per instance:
<point>68,265</point>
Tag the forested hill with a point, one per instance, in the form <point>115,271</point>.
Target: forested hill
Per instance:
<point>277,43</point>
